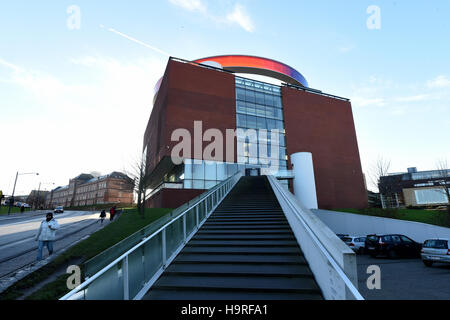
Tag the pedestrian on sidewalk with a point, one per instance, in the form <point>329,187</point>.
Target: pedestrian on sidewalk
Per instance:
<point>22,208</point>
<point>46,235</point>
<point>103,215</point>
<point>112,212</point>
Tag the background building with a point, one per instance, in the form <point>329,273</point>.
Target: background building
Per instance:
<point>209,90</point>
<point>86,189</point>
<point>415,188</point>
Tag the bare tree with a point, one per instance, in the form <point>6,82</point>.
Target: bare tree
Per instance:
<point>380,179</point>
<point>139,175</point>
<point>444,181</point>
<point>379,169</point>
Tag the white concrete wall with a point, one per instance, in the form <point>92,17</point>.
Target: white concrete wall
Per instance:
<point>304,181</point>
<point>361,225</point>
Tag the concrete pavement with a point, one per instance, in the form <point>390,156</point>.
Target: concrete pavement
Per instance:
<point>18,248</point>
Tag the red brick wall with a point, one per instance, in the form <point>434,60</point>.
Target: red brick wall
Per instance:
<point>190,93</point>
<point>172,198</point>
<point>324,126</point>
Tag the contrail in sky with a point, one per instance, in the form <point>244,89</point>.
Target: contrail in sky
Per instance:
<point>137,41</point>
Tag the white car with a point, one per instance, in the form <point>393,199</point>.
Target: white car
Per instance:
<point>435,250</point>
<point>357,244</point>
<point>59,210</point>
<point>26,205</point>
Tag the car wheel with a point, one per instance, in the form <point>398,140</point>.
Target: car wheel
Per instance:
<point>428,263</point>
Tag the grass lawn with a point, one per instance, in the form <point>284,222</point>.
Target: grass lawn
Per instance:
<point>128,223</point>
<point>435,217</point>
<point>4,210</point>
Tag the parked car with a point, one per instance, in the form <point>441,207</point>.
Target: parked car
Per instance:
<point>392,246</point>
<point>357,244</point>
<point>26,205</point>
<point>18,204</point>
<point>435,250</point>
<point>59,210</point>
<point>342,235</point>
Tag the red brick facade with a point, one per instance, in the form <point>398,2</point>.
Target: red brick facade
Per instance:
<point>324,126</point>
<point>313,122</point>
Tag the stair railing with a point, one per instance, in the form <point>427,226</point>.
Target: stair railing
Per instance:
<point>331,261</point>
<point>132,274</point>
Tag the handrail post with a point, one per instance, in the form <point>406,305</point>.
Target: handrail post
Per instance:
<point>184,228</point>
<point>164,258</point>
<point>126,283</point>
<point>197,217</point>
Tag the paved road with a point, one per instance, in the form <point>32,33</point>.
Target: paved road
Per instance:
<point>405,279</point>
<point>17,244</point>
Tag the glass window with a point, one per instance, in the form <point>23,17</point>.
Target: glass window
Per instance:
<point>271,124</point>
<point>241,120</point>
<point>269,99</point>
<point>240,94</point>
<point>187,169</point>
<point>278,114</point>
<point>260,110</point>
<point>210,184</point>
<point>250,108</point>
<point>251,122</point>
<point>406,239</point>
<point>280,125</point>
<point>221,171</point>
<point>396,239</point>
<point>188,184</point>
<point>250,96</point>
<point>232,168</point>
<point>210,171</point>
<point>259,97</point>
<point>199,184</point>
<point>277,101</point>
<point>240,106</point>
<point>198,171</point>
<point>271,112</point>
<point>261,123</point>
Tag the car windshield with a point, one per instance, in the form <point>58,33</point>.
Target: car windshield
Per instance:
<point>346,239</point>
<point>436,244</point>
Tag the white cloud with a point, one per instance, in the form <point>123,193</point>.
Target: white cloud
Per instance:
<point>191,5</point>
<point>240,16</point>
<point>420,97</point>
<point>359,101</point>
<point>439,82</point>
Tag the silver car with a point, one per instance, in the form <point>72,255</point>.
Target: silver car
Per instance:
<point>435,250</point>
<point>357,244</point>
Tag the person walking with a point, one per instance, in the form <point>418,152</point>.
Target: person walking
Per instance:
<point>112,212</point>
<point>46,235</point>
<point>103,215</point>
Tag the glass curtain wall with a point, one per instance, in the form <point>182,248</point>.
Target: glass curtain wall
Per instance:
<point>259,106</point>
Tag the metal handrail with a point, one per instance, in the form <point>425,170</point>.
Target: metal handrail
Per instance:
<point>349,284</point>
<point>230,182</point>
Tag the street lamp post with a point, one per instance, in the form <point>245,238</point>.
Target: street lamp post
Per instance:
<point>11,203</point>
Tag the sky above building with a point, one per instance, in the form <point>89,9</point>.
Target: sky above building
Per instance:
<point>77,77</point>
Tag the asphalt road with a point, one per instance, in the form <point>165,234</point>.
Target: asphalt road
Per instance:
<point>18,247</point>
<point>405,279</point>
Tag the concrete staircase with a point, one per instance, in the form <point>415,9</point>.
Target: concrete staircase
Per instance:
<point>245,250</point>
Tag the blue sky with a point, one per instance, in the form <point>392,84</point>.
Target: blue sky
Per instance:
<point>78,100</point>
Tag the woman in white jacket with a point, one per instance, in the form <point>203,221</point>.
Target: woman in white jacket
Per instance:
<point>47,235</point>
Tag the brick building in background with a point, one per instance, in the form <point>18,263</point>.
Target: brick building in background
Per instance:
<point>85,190</point>
<point>210,90</point>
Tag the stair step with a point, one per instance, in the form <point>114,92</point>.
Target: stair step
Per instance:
<point>215,294</point>
<point>235,257</point>
<point>282,283</point>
